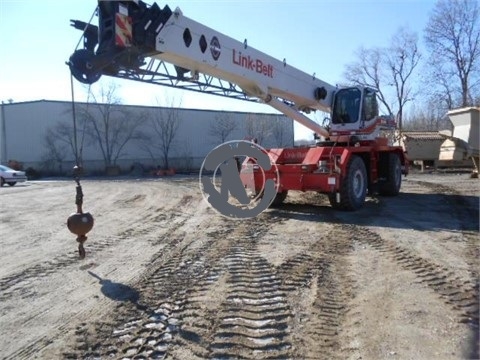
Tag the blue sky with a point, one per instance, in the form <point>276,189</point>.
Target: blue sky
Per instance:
<point>316,36</point>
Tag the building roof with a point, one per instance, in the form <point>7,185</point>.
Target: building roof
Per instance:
<point>143,106</point>
<point>463,110</point>
<point>423,135</point>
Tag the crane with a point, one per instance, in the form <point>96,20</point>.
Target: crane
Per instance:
<point>157,45</point>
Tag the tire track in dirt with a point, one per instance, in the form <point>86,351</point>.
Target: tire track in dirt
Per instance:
<point>32,349</point>
<point>258,313</point>
<point>457,293</point>
<point>461,296</point>
<point>468,217</point>
<point>319,288</point>
<point>169,238</point>
<point>464,209</point>
<point>19,284</point>
<point>211,293</point>
<point>252,321</point>
<point>224,300</point>
<point>146,329</point>
<point>182,282</point>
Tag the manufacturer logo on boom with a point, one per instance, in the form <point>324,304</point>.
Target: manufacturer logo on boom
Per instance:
<point>256,65</point>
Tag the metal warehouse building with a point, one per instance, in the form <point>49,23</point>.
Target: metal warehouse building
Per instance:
<point>38,134</point>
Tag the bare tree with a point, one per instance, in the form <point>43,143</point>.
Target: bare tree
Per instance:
<point>164,124</point>
<point>476,101</point>
<point>57,146</point>
<point>428,117</point>
<point>281,130</point>
<point>110,125</point>
<point>222,128</point>
<point>369,70</point>
<point>453,37</point>
<point>257,126</point>
<point>186,156</point>
<point>388,70</point>
<point>441,84</point>
<point>60,143</point>
<point>402,58</point>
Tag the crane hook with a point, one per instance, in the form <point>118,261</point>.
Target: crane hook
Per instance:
<point>80,223</point>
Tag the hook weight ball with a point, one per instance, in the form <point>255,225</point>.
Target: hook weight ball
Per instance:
<point>80,223</point>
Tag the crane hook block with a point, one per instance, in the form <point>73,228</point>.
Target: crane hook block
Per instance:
<point>80,223</point>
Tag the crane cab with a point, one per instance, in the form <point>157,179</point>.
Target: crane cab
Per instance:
<point>355,114</point>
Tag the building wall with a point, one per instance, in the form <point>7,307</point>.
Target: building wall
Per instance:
<point>26,125</point>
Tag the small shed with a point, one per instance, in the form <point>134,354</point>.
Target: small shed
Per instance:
<point>422,147</point>
<point>454,149</point>
<point>465,123</point>
<point>464,143</point>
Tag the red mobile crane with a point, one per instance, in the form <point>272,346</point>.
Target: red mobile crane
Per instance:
<point>147,43</point>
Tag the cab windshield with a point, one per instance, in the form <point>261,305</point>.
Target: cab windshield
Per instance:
<point>346,108</point>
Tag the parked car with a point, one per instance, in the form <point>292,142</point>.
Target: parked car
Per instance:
<point>10,176</point>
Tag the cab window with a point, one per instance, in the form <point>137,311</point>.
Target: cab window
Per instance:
<point>346,108</point>
<point>370,105</point>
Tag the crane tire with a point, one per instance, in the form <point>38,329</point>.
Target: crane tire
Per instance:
<point>353,189</point>
<point>332,198</point>
<point>391,187</point>
<point>279,198</point>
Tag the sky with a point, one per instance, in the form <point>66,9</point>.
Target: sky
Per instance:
<point>315,36</point>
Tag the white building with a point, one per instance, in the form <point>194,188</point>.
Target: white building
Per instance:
<point>24,127</point>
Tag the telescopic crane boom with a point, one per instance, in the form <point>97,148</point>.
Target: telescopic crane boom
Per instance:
<point>129,32</point>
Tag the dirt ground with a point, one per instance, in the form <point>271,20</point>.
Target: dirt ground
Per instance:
<point>167,277</point>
